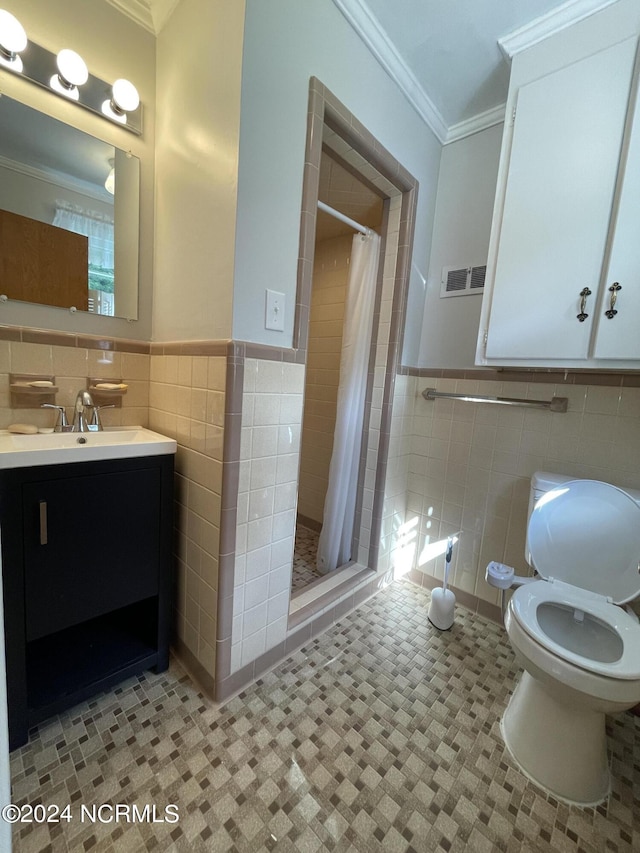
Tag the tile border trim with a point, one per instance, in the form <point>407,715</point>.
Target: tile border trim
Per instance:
<point>49,337</point>
<point>558,376</point>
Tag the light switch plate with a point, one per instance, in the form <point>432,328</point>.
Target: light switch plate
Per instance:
<point>274,311</point>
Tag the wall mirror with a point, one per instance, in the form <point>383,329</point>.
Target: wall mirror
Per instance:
<point>69,214</point>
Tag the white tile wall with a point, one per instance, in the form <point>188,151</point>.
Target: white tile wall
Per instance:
<point>269,457</point>
<point>187,403</point>
<point>471,464</point>
<point>396,447</point>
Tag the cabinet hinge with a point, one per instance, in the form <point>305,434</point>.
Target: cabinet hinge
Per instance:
<point>513,116</point>
<point>485,336</point>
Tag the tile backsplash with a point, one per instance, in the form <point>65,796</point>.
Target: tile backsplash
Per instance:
<point>71,366</point>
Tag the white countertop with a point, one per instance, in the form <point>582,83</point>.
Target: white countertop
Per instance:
<point>57,448</point>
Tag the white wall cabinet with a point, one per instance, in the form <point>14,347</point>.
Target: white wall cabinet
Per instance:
<point>618,335</point>
<point>566,222</point>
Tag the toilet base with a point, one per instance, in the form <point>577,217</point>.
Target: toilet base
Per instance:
<point>562,747</point>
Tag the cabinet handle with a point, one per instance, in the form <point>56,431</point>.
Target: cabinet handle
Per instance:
<point>43,523</point>
<point>583,302</point>
<point>613,290</point>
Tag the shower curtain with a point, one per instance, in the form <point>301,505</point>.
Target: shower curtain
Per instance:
<point>334,545</point>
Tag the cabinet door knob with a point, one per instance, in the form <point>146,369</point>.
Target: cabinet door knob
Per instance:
<point>613,290</point>
<point>43,523</point>
<point>583,302</point>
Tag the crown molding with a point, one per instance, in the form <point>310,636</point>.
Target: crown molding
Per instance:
<point>367,27</point>
<point>553,22</point>
<point>476,123</point>
<point>138,10</point>
<point>152,15</point>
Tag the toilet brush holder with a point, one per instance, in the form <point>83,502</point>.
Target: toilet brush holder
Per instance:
<point>441,608</point>
<point>442,599</point>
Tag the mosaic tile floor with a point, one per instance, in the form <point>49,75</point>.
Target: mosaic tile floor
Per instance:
<point>304,558</point>
<point>380,735</point>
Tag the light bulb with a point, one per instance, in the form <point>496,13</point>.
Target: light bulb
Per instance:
<point>72,68</point>
<point>13,40</point>
<point>108,111</point>
<point>110,183</point>
<point>61,88</point>
<point>125,97</point>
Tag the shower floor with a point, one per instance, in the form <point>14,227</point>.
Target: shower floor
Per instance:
<point>304,558</point>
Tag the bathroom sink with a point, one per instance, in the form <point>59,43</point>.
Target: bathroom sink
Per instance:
<point>56,448</point>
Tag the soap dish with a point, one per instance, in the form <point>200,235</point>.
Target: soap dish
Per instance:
<point>106,391</point>
<point>109,386</point>
<point>30,391</point>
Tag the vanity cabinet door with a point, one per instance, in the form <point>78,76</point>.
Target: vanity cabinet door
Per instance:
<point>91,545</point>
<point>561,179</point>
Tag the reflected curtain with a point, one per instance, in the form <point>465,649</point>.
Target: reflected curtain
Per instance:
<point>96,226</point>
<point>334,545</point>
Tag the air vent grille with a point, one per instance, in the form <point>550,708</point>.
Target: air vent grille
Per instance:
<point>456,280</point>
<point>477,277</point>
<point>462,281</point>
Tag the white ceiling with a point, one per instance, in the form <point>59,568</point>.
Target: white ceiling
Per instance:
<point>444,54</point>
<point>452,47</point>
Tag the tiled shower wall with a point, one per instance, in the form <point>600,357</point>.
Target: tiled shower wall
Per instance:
<point>187,402</point>
<point>330,277</point>
<point>471,465</point>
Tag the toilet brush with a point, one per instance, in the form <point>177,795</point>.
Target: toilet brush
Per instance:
<point>443,600</point>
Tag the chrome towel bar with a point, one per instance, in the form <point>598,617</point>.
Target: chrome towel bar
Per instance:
<point>555,404</point>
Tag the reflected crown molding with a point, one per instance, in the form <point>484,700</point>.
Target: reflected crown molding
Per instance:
<point>57,179</point>
<point>150,14</point>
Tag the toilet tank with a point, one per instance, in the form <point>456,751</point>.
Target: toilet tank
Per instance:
<point>544,481</point>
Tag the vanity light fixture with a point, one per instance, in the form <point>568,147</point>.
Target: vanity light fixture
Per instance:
<point>13,40</point>
<point>124,99</point>
<point>67,74</point>
<point>72,73</point>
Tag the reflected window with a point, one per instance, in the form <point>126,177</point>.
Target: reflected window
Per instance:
<point>98,228</point>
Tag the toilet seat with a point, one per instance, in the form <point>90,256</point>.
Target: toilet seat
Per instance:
<point>612,621</point>
<point>584,540</point>
<point>587,534</point>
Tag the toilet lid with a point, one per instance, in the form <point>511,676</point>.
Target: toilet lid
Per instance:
<point>587,533</point>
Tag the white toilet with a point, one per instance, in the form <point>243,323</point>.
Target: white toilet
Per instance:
<point>580,650</point>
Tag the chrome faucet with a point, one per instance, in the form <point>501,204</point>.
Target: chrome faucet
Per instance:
<point>62,425</point>
<point>95,424</point>
<point>83,400</point>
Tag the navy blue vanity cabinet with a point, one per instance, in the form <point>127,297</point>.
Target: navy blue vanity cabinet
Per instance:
<point>86,561</point>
